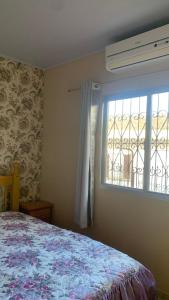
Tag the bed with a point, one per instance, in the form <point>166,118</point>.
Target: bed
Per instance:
<point>39,261</point>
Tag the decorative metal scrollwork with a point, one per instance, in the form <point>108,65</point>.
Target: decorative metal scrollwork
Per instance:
<point>126,139</point>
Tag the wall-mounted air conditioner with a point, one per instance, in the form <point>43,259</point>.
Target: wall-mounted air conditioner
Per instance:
<point>145,47</point>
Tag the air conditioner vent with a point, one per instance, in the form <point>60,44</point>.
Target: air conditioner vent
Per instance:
<point>146,47</point>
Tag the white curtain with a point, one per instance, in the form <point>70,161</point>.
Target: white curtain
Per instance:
<point>85,185</point>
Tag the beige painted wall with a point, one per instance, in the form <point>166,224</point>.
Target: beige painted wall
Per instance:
<point>125,220</point>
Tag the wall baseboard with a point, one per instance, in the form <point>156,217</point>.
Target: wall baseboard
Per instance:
<point>162,295</point>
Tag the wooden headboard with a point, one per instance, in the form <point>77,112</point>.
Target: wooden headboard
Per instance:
<point>11,186</point>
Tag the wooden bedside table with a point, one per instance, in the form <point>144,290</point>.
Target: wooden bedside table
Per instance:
<point>38,209</point>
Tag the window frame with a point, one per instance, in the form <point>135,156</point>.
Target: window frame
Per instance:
<point>110,186</point>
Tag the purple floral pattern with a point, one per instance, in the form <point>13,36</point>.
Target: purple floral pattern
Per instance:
<point>57,245</point>
<point>49,231</point>
<point>15,227</point>
<point>34,287</point>
<point>18,241</point>
<point>22,259</point>
<point>71,266</point>
<point>42,262</point>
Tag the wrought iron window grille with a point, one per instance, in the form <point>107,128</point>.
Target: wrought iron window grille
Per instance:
<point>136,142</point>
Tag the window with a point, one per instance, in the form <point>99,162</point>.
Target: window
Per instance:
<point>136,142</point>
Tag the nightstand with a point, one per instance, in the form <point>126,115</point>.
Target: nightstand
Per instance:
<point>38,209</point>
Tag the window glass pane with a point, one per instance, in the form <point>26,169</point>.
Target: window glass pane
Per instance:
<point>125,136</point>
<point>159,167</point>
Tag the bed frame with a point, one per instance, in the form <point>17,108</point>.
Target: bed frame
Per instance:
<point>10,184</point>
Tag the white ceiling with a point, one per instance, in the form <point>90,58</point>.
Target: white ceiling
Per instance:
<point>49,32</point>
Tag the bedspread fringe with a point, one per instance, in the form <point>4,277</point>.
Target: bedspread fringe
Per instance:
<point>141,286</point>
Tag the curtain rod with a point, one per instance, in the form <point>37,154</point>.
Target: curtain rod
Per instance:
<point>114,80</point>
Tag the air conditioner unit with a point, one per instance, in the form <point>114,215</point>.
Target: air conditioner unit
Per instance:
<point>145,47</point>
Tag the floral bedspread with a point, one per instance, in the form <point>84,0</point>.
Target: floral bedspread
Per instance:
<point>40,261</point>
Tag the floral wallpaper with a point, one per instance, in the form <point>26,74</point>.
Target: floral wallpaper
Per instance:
<point>21,123</point>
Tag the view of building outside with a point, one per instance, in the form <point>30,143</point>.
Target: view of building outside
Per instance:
<point>125,142</point>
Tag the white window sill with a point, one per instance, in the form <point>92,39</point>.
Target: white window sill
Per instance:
<point>144,194</point>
